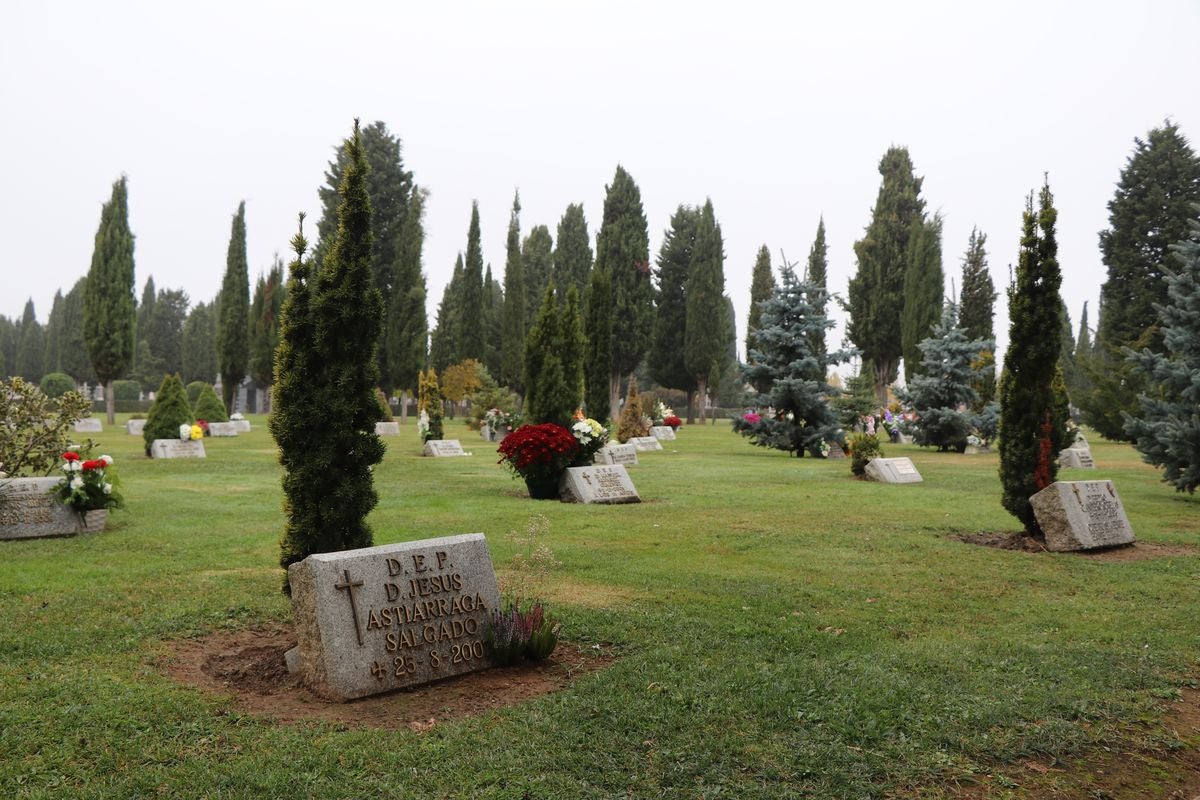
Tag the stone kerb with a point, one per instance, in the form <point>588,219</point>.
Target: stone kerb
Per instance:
<point>664,433</point>
<point>387,428</point>
<point>134,427</point>
<point>177,448</point>
<point>32,512</point>
<point>1076,458</point>
<point>89,425</point>
<point>222,429</point>
<point>443,447</point>
<point>617,454</point>
<point>645,444</point>
<point>606,484</point>
<point>892,470</point>
<point>1081,515</point>
<point>383,618</point>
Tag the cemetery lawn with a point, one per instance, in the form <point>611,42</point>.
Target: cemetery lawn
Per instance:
<point>779,630</point>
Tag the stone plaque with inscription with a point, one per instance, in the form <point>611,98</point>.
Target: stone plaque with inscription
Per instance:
<point>645,444</point>
<point>32,512</point>
<point>89,425</point>
<point>664,433</point>
<point>1076,458</point>
<point>382,618</point>
<point>617,454</point>
<point>242,425</point>
<point>1081,515</point>
<point>177,448</point>
<point>892,470</point>
<point>608,484</point>
<point>444,447</point>
<point>222,429</point>
<point>387,428</point>
<point>134,427</point>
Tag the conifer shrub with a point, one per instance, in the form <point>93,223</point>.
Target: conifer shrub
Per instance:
<point>385,407</point>
<point>209,406</point>
<point>193,391</point>
<point>169,411</point>
<point>633,417</point>
<point>429,401</point>
<point>126,391</point>
<point>56,384</point>
<point>863,447</point>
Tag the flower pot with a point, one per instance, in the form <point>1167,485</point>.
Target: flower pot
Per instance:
<point>542,488</point>
<point>93,521</point>
<point>584,459</point>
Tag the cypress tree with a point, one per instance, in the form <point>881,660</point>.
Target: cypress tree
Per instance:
<point>31,354</point>
<point>573,346</point>
<point>327,440</point>
<point>52,358</point>
<point>109,313</point>
<point>73,354</point>
<point>705,333</point>
<point>537,261</point>
<point>597,368</point>
<point>233,347</point>
<point>816,274</point>
<point>209,406</point>
<point>623,254</point>
<point>666,359</point>
<point>512,338</point>
<point>876,294</point>
<point>145,311</point>
<point>493,322</point>
<point>548,396</point>
<point>199,349</point>
<point>976,312</point>
<point>572,252</point>
<point>445,348</point>
<point>169,410</point>
<point>1167,430</point>
<point>1083,345</point>
<point>762,285</point>
<point>264,336</point>
<point>1032,424</point>
<point>923,291</point>
<point>165,329</point>
<point>470,321</point>
<point>408,325</point>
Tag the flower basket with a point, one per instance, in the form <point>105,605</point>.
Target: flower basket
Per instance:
<point>538,452</point>
<point>542,488</point>
<point>673,421</point>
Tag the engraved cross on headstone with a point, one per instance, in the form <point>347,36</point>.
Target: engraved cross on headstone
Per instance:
<point>350,586</point>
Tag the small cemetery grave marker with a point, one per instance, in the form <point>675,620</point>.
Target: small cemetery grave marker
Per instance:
<point>177,448</point>
<point>607,484</point>
<point>222,429</point>
<point>892,470</point>
<point>134,427</point>
<point>382,618</point>
<point>242,425</point>
<point>387,428</point>
<point>1077,458</point>
<point>89,425</point>
<point>617,454</point>
<point>444,447</point>
<point>1081,515</point>
<point>32,512</point>
<point>664,433</point>
<point>645,444</point>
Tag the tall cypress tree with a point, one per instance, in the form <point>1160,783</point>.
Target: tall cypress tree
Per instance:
<point>976,312</point>
<point>536,265</point>
<point>924,285</point>
<point>52,358</point>
<point>73,354</point>
<point>876,293</point>
<point>493,321</point>
<point>705,333</point>
<point>109,313</point>
<point>31,353</point>
<point>623,254</point>
<point>762,284</point>
<point>512,341</point>
<point>597,327</point>
<point>1032,425</point>
<point>666,359</point>
<point>816,273</point>
<point>470,321</point>
<point>326,380</point>
<point>573,346</point>
<point>407,323</point>
<point>572,252</point>
<point>199,345</point>
<point>233,332</point>
<point>549,397</point>
<point>445,346</point>
<point>264,340</point>
<point>164,331</point>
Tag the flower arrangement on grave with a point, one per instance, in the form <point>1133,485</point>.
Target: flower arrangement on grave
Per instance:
<point>500,422</point>
<point>203,425</point>
<point>88,485</point>
<point>591,436</point>
<point>237,416</point>
<point>539,454</point>
<point>673,421</point>
<point>192,432</point>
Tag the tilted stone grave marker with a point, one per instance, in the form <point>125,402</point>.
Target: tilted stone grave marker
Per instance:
<point>664,433</point>
<point>382,618</point>
<point>387,428</point>
<point>605,484</point>
<point>177,448</point>
<point>617,454</point>
<point>645,444</point>
<point>892,470</point>
<point>444,447</point>
<point>1076,458</point>
<point>1081,515</point>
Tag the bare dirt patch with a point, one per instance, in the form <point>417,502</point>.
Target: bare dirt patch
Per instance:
<point>1016,540</point>
<point>249,665</point>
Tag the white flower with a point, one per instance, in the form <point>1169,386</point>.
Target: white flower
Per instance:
<point>76,483</point>
<point>185,431</point>
<point>107,488</point>
<point>107,460</point>
<point>75,466</point>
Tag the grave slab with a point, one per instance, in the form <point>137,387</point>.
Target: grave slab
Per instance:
<point>177,448</point>
<point>892,470</point>
<point>1081,515</point>
<point>222,429</point>
<point>383,618</point>
<point>1076,458</point>
<point>645,444</point>
<point>617,454</point>
<point>387,428</point>
<point>242,425</point>
<point>134,427</point>
<point>89,425</point>
<point>32,512</point>
<point>605,484</point>
<point>443,447</point>
<point>664,433</point>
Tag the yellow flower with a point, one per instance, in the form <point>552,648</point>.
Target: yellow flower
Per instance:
<point>197,432</point>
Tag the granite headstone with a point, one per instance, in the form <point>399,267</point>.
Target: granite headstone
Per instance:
<point>30,511</point>
<point>1076,458</point>
<point>664,433</point>
<point>134,427</point>
<point>606,484</point>
<point>444,447</point>
<point>1081,515</point>
<point>645,444</point>
<point>177,448</point>
<point>387,428</point>
<point>88,425</point>
<point>617,454</point>
<point>222,429</point>
<point>892,470</point>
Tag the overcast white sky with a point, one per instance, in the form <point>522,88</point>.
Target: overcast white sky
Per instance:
<point>779,112</point>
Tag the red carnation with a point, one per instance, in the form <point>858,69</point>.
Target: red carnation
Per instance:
<point>70,456</point>
<point>88,466</point>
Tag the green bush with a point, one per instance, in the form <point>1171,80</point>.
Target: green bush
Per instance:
<point>194,389</point>
<point>56,384</point>
<point>384,406</point>
<point>863,447</point>
<point>36,429</point>
<point>170,410</point>
<point>122,406</point>
<point>209,407</point>
<point>127,390</point>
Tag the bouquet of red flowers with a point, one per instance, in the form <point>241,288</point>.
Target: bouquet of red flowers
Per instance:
<point>538,451</point>
<point>673,421</point>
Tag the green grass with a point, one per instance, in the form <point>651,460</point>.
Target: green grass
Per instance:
<point>782,630</point>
